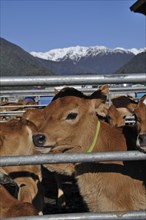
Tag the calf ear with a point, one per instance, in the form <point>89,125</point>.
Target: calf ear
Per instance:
<point>56,91</point>
<point>102,109</point>
<point>97,105</point>
<point>131,107</point>
<point>143,100</point>
<point>104,89</point>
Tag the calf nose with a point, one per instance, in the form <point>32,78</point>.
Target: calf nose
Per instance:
<point>142,140</point>
<point>39,140</point>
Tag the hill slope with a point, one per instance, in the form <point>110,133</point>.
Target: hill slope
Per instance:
<point>136,65</point>
<point>14,61</point>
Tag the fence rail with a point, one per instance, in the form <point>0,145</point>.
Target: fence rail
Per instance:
<point>135,215</point>
<point>50,91</point>
<point>72,80</point>
<point>71,158</point>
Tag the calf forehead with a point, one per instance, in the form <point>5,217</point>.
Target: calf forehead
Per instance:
<point>16,126</point>
<point>122,101</point>
<point>62,105</point>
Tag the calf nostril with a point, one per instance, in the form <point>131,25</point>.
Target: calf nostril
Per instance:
<point>39,139</point>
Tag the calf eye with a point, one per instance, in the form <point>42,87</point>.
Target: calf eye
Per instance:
<point>71,116</point>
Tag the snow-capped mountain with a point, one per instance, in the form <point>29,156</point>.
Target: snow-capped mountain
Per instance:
<point>78,52</point>
<point>70,61</point>
<point>86,60</point>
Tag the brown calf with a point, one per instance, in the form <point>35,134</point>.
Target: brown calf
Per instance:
<point>116,118</point>
<point>139,110</point>
<point>72,126</point>
<point>15,140</point>
<point>37,116</point>
<point>124,106</point>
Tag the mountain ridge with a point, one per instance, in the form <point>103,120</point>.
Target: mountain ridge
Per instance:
<point>15,61</point>
<point>77,52</point>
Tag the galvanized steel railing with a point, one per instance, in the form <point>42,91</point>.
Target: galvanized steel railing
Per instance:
<point>73,80</point>
<point>50,91</point>
<point>135,215</point>
<point>71,158</point>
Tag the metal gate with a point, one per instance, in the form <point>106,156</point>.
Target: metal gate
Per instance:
<point>81,157</point>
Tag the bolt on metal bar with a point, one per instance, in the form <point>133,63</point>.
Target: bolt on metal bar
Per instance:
<point>71,80</point>
<point>71,158</point>
<point>132,215</point>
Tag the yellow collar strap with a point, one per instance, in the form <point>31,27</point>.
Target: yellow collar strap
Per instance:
<point>91,147</point>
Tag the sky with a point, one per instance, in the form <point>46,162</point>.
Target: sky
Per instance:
<point>42,25</point>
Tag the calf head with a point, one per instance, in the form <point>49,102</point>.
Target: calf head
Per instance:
<point>119,110</point>
<point>139,110</point>
<point>16,137</point>
<point>70,125</point>
<point>67,116</point>
<point>116,116</point>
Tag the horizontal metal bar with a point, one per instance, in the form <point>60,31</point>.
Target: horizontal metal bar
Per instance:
<point>132,215</point>
<point>128,89</point>
<point>71,158</point>
<point>50,92</point>
<point>71,80</point>
<point>20,106</point>
<point>17,106</point>
<point>12,113</point>
<point>28,91</point>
